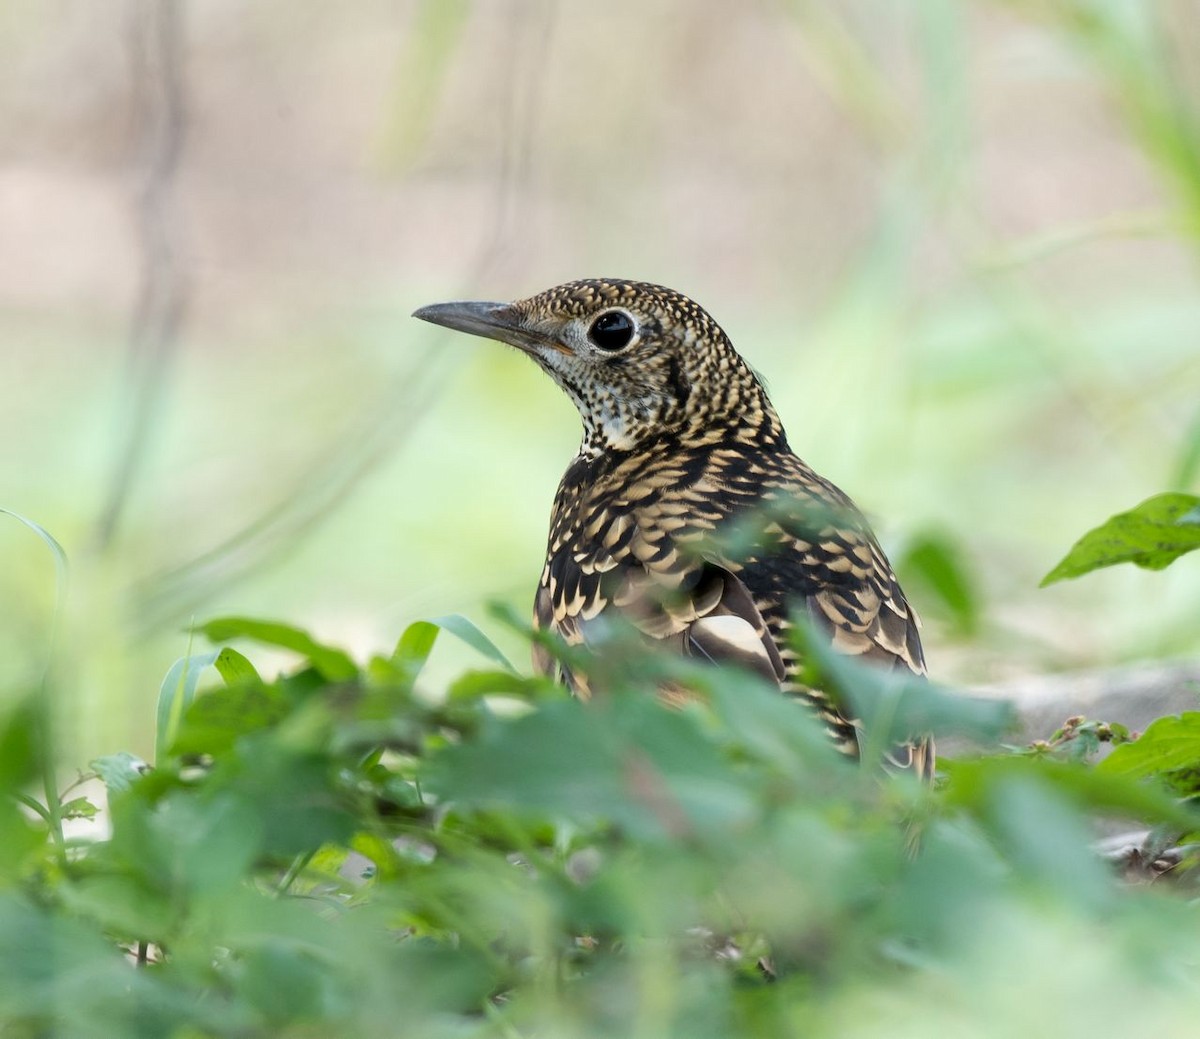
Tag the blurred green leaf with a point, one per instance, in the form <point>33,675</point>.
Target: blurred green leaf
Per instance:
<point>1046,837</point>
<point>118,771</point>
<point>20,744</point>
<point>414,647</point>
<point>216,721</point>
<point>631,762</point>
<point>120,904</point>
<point>233,667</point>
<point>933,563</point>
<point>467,632</point>
<point>175,697</point>
<point>1187,468</point>
<point>896,706</point>
<point>1152,535</point>
<point>78,808</point>
<point>421,72</point>
<point>48,539</point>
<point>417,642</point>
<point>1093,790</point>
<point>471,685</point>
<point>333,663</point>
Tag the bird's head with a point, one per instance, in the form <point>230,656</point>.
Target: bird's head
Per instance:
<point>639,360</point>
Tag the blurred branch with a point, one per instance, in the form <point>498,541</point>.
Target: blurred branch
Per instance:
<point>421,75</point>
<point>156,43</point>
<point>847,71</point>
<point>1149,66</point>
<point>1041,246</point>
<point>325,482</point>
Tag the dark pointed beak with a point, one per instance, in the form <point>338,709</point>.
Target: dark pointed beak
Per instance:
<point>499,321</point>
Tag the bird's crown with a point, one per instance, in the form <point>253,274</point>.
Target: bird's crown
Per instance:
<point>640,361</point>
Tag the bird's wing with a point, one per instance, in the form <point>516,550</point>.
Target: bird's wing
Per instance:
<point>815,552</point>
<point>703,611</point>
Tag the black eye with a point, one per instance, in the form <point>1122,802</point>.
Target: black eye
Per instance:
<point>612,330</point>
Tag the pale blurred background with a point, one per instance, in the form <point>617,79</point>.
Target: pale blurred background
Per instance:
<point>958,238</point>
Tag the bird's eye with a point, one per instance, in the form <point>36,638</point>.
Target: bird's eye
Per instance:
<point>612,331</point>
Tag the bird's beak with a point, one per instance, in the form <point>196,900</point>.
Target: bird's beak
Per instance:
<point>499,321</point>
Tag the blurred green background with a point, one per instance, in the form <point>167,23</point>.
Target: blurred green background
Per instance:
<point>958,239</point>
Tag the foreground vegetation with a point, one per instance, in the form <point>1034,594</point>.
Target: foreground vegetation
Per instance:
<point>337,851</point>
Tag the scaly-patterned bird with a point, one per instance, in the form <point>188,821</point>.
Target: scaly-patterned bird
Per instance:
<point>682,454</point>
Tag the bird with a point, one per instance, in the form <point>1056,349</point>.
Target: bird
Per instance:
<point>685,510</point>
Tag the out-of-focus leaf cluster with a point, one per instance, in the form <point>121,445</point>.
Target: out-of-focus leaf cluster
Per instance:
<point>333,852</point>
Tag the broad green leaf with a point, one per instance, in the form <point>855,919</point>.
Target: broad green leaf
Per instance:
<point>935,564</point>
<point>1152,535</point>
<point>333,663</point>
<point>1167,744</point>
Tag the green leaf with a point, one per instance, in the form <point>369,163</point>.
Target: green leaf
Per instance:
<point>934,562</point>
<point>121,904</point>
<point>56,550</point>
<point>333,663</point>
<point>465,631</point>
<point>628,760</point>
<point>78,808</point>
<point>1152,535</point>
<point>1167,744</point>
<point>1187,468</point>
<point>1092,789</point>
<point>234,668</point>
<point>471,685</point>
<point>895,706</point>
<point>216,720</point>
<point>413,649</point>
<point>175,696</point>
<point>415,645</point>
<point>118,771</point>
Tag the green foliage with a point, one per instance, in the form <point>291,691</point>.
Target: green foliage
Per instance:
<point>1152,535</point>
<point>1169,747</point>
<point>934,573</point>
<point>329,852</point>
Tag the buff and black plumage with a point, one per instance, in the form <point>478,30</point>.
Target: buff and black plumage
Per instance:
<point>685,508</point>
